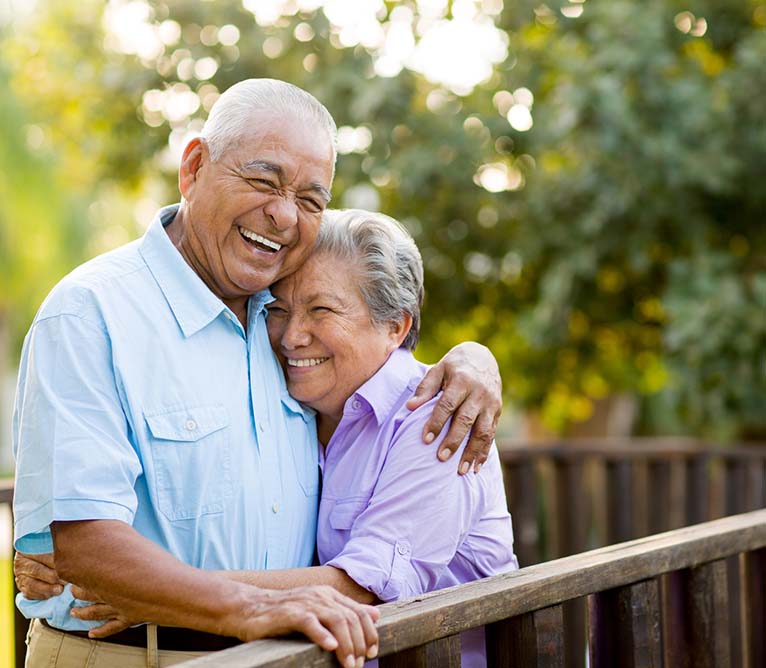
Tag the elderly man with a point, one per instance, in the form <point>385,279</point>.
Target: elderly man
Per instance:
<point>154,436</point>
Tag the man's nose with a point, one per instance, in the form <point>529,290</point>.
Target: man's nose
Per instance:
<point>283,211</point>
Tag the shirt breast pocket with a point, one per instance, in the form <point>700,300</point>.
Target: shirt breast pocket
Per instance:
<point>192,460</point>
<point>345,511</point>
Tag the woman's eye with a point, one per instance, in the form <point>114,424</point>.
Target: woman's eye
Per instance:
<point>322,309</point>
<point>276,311</point>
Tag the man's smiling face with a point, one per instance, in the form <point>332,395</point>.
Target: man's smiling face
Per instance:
<point>252,217</point>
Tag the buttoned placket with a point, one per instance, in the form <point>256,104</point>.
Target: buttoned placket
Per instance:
<point>264,403</point>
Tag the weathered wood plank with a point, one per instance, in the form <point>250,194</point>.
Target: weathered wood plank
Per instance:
<point>574,633</point>
<point>735,485</point>
<point>571,505</point>
<point>532,640</point>
<point>697,509</point>
<point>447,612</point>
<point>706,612</point>
<point>443,652</point>
<point>625,627</point>
<point>6,490</point>
<point>753,599</point>
<point>734,632</point>
<point>619,480</point>
<point>522,495</point>
<point>659,495</point>
<point>267,654</point>
<point>489,600</point>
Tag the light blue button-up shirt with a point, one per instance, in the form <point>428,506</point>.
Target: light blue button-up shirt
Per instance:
<point>142,399</point>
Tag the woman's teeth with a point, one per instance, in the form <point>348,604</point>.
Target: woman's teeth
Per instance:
<point>307,362</point>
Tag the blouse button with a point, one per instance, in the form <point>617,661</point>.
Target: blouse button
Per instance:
<point>191,425</point>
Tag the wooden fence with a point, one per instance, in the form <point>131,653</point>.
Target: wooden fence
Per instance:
<point>578,495</point>
<point>658,601</point>
<point>569,497</point>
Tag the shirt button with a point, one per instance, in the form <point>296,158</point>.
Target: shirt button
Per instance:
<point>356,404</point>
<point>402,549</point>
<point>275,507</point>
<point>191,425</point>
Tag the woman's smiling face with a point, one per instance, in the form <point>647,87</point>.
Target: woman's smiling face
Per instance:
<point>321,330</point>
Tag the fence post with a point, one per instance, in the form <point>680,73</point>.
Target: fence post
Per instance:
<point>625,627</point>
<point>532,640</point>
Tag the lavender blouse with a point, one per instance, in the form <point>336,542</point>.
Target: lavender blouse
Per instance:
<point>393,518</point>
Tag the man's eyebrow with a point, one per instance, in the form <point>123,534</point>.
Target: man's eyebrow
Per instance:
<point>263,166</point>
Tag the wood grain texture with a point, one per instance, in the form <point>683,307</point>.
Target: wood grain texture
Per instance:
<point>532,640</point>
<point>417,621</point>
<point>707,614</point>
<point>625,627</point>
<point>753,600</point>
<point>442,653</point>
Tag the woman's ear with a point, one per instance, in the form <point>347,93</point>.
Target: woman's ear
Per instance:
<point>195,155</point>
<point>399,330</point>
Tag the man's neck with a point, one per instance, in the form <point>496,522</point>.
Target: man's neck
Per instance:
<point>175,231</point>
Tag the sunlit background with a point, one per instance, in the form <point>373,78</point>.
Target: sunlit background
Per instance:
<point>585,179</point>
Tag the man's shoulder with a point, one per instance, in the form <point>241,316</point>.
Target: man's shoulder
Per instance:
<point>103,277</point>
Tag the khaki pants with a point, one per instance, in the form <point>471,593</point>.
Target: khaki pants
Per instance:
<point>48,648</point>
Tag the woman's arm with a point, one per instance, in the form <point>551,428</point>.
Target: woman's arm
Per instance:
<point>298,577</point>
<point>36,578</point>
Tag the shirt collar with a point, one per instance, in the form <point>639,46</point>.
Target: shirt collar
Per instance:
<point>383,391</point>
<point>191,301</point>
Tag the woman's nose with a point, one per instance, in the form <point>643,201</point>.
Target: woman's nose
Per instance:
<point>296,334</point>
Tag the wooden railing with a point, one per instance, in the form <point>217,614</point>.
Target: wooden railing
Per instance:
<point>661,600</point>
<point>576,495</point>
<point>569,497</point>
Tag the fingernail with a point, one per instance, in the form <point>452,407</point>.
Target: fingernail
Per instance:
<point>444,455</point>
<point>350,661</point>
<point>58,589</point>
<point>464,468</point>
<point>429,437</point>
<point>372,652</point>
<point>360,662</point>
<point>478,468</point>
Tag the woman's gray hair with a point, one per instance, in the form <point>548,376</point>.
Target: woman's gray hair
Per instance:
<point>232,114</point>
<point>389,263</point>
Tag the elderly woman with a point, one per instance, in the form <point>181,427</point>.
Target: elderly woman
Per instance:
<point>391,524</point>
<point>344,327</point>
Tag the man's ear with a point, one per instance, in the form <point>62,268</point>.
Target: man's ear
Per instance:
<point>399,330</point>
<point>195,155</point>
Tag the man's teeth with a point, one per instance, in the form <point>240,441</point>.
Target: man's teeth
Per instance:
<point>308,362</point>
<point>261,240</point>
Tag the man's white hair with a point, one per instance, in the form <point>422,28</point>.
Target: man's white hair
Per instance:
<point>231,115</point>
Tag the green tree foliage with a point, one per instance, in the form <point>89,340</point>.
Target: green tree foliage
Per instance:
<point>617,244</point>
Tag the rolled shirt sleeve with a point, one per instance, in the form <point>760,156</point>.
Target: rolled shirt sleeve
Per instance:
<point>418,515</point>
<point>74,460</point>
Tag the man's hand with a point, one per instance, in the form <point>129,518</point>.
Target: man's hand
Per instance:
<point>472,395</point>
<point>36,576</point>
<point>328,618</point>
<point>331,620</point>
<point>97,611</point>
